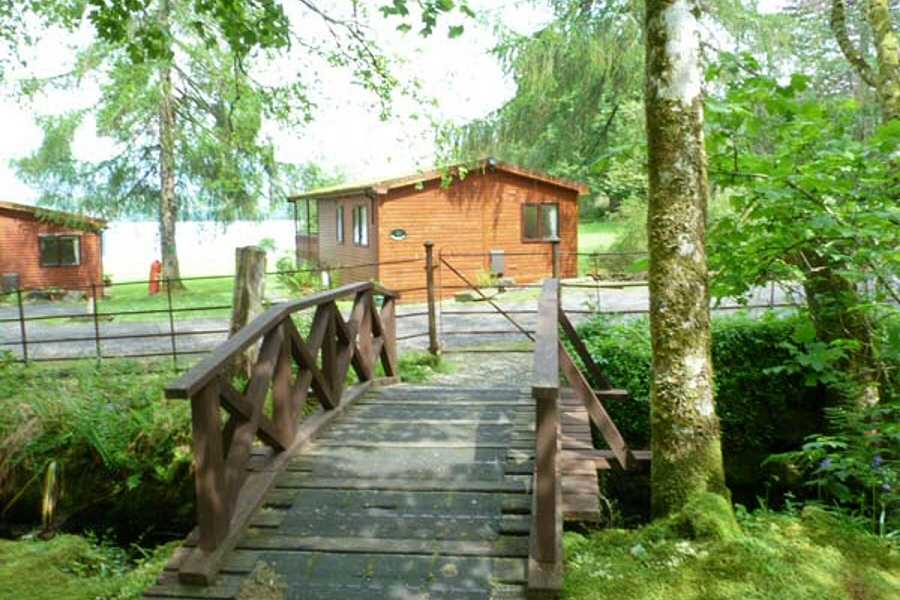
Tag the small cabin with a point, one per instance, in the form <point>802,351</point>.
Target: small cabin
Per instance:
<point>44,249</point>
<point>487,219</point>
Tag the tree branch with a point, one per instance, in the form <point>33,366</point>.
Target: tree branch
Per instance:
<point>851,53</point>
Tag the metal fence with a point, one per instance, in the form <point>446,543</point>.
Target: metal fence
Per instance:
<point>121,320</point>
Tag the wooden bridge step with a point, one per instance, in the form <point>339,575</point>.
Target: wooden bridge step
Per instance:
<point>359,575</point>
<point>389,526</point>
<point>509,485</point>
<point>503,546</point>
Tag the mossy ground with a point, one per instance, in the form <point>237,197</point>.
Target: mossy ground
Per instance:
<point>70,567</point>
<point>774,556</point>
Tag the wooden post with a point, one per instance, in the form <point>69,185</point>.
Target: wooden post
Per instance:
<point>554,257</point>
<point>24,339</point>
<point>247,301</point>
<point>92,302</point>
<point>433,345</point>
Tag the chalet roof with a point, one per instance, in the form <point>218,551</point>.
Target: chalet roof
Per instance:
<point>383,186</point>
<point>55,216</point>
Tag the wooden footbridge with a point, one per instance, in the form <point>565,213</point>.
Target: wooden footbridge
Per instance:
<point>383,490</point>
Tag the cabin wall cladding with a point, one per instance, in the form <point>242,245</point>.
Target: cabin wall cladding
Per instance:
<point>481,213</point>
<point>333,254</point>
<point>20,253</point>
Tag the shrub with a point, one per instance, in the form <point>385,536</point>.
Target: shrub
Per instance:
<point>762,409</point>
<point>100,442</point>
<point>856,465</point>
<point>300,279</point>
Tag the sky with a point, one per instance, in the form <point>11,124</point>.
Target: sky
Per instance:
<point>347,135</point>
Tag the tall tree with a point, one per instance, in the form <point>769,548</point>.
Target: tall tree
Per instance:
<point>687,454</point>
<point>576,111</point>
<point>185,122</point>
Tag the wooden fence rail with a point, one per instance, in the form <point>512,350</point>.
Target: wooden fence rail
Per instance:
<point>231,475</point>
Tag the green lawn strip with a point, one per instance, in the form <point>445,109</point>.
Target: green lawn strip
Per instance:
<point>777,556</point>
<point>598,236</point>
<point>70,567</point>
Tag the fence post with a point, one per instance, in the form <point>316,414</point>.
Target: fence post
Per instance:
<point>168,284</point>
<point>96,321</point>
<point>247,300</point>
<point>554,257</point>
<point>22,325</point>
<point>433,346</point>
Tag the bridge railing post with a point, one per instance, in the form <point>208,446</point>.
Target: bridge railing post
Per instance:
<point>232,475</point>
<point>545,554</point>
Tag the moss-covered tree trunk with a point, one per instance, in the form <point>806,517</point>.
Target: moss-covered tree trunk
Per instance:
<point>687,454</point>
<point>831,299</point>
<point>887,52</point>
<point>168,199</point>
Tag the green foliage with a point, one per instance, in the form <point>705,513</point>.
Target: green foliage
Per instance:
<point>762,409</point>
<point>431,11</point>
<point>771,557</point>
<point>298,279</point>
<point>803,183</point>
<point>578,89</point>
<point>419,367</point>
<point>70,567</point>
<point>121,450</point>
<point>857,464</point>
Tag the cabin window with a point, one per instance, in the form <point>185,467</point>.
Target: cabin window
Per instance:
<point>361,225</point>
<point>540,222</point>
<point>60,250</point>
<point>339,224</point>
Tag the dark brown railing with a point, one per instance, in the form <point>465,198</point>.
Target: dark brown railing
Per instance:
<point>231,475</point>
<point>545,547</point>
<point>551,358</point>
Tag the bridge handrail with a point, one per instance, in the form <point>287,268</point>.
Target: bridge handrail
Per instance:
<point>545,547</point>
<point>231,476</point>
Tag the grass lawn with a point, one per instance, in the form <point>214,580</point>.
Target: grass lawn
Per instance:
<point>204,298</point>
<point>597,236</point>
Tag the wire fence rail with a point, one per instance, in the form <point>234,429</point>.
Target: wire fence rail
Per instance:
<point>121,320</point>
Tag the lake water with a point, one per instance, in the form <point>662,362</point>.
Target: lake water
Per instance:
<point>204,247</point>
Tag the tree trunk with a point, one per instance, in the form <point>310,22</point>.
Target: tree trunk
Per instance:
<point>168,200</point>
<point>887,52</point>
<point>687,455</point>
<point>830,298</point>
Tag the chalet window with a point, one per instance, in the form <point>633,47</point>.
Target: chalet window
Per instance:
<point>361,225</point>
<point>540,222</point>
<point>60,250</point>
<point>340,224</point>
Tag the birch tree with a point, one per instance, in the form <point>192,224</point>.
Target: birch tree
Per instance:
<point>687,454</point>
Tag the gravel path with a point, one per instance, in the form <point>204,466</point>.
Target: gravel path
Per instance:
<point>75,338</point>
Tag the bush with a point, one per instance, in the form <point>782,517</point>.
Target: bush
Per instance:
<point>100,442</point>
<point>300,279</point>
<point>763,410</point>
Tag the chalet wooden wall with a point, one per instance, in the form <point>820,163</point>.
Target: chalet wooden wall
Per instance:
<point>333,254</point>
<point>473,216</point>
<point>20,253</point>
